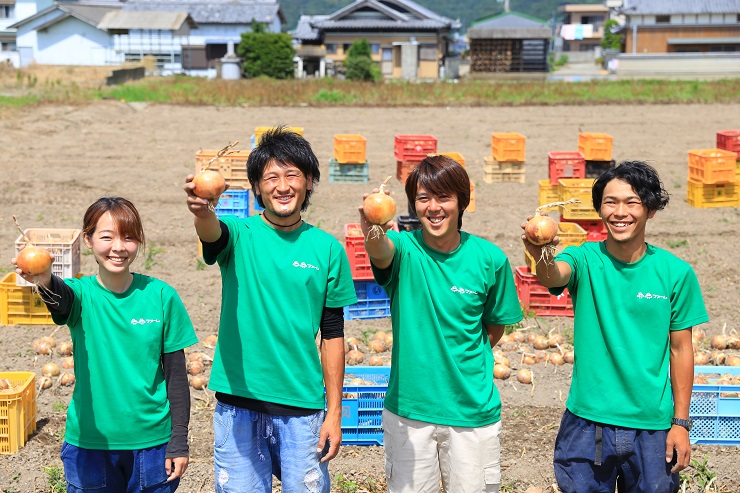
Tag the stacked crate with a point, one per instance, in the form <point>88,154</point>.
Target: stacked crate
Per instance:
<point>258,131</point>
<point>729,140</point>
<point>349,164</point>
<point>410,150</point>
<point>596,149</point>
<point>372,301</point>
<point>506,162</point>
<point>560,164</point>
<point>713,179</point>
<point>583,212</point>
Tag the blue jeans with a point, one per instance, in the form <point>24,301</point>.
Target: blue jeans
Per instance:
<point>251,447</point>
<point>632,460</point>
<point>116,471</point>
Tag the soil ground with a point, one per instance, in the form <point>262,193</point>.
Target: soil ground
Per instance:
<point>59,159</point>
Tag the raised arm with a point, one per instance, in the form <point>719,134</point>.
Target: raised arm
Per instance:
<point>206,222</point>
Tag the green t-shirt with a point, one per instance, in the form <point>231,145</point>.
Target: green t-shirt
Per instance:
<point>442,364</point>
<point>275,287</point>
<point>624,313</point>
<point>120,396</point>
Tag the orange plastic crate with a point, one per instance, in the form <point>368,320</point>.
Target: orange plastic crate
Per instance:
<point>471,205</point>
<point>595,146</point>
<point>712,166</point>
<point>414,147</point>
<point>729,140</point>
<point>508,146</point>
<point>17,410</point>
<point>350,148</point>
<point>232,166</point>
<point>404,168</point>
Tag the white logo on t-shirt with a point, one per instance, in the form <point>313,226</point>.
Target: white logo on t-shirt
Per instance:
<point>304,265</point>
<point>455,289</point>
<point>650,296</point>
<point>144,321</point>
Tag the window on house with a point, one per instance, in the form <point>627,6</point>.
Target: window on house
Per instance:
<point>663,19</point>
<point>427,52</point>
<point>7,11</point>
<point>345,47</point>
<point>738,17</point>
<point>331,48</point>
<point>387,54</point>
<point>374,48</point>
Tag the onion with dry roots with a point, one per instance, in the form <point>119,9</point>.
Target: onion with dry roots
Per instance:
<point>541,230</point>
<point>32,259</point>
<point>354,357</point>
<point>67,379</point>
<point>540,342</point>
<point>68,363</point>
<point>524,376</point>
<point>196,367</point>
<point>199,382</point>
<point>377,346</point>
<point>45,383</point>
<point>65,349</point>
<point>378,208</point>
<point>210,184</point>
<point>502,372</point>
<point>50,370</point>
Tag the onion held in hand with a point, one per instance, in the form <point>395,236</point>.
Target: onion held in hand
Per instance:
<point>379,208</point>
<point>34,260</point>
<point>209,184</point>
<point>540,230</point>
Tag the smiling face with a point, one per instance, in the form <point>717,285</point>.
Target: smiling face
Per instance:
<point>624,215</point>
<point>439,216</point>
<point>113,251</point>
<point>283,189</point>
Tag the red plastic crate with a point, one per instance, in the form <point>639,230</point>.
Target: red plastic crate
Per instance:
<point>354,245</point>
<point>414,147</point>
<point>729,140</point>
<point>403,169</point>
<point>595,229</point>
<point>536,298</point>
<point>565,164</point>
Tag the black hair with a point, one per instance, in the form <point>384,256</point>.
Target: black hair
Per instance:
<point>644,181</point>
<point>440,175</point>
<point>285,148</point>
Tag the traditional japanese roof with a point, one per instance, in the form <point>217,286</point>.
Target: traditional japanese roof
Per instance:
<point>669,7</point>
<point>383,15</point>
<point>215,11</point>
<point>88,12</point>
<point>162,21</point>
<point>304,31</point>
<point>509,25</point>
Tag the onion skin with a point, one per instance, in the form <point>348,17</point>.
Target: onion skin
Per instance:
<point>34,260</point>
<point>524,376</point>
<point>209,184</point>
<point>540,230</point>
<point>379,208</point>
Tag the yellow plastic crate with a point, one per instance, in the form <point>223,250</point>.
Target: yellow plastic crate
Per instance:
<point>704,195</point>
<point>712,166</point>
<point>504,177</point>
<point>63,244</point>
<point>455,156</point>
<point>493,165</point>
<point>260,130</point>
<point>578,188</point>
<point>595,146</point>
<point>350,149</point>
<point>19,305</point>
<point>471,205</point>
<point>17,410</point>
<point>233,167</point>
<point>548,193</point>
<point>508,146</point>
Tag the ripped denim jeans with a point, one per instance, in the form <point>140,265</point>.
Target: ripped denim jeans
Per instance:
<point>250,447</point>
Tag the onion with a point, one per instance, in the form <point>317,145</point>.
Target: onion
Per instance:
<point>209,184</point>
<point>529,359</point>
<point>388,340</point>
<point>353,342</point>
<point>377,346</point>
<point>540,356</point>
<point>67,379</point>
<point>719,342</point>
<point>555,340</point>
<point>518,336</point>
<point>354,357</point>
<point>198,382</point>
<point>68,363</point>
<point>500,358</point>
<point>569,356</point>
<point>346,347</point>
<point>375,360</point>
<point>557,359</point>
<point>718,357</point>
<point>210,341</point>
<point>34,260</point>
<point>196,367</point>
<point>379,335</point>
<point>4,384</point>
<point>524,376</point>
<point>699,334</point>
<point>701,379</point>
<point>50,370</point>
<point>504,339</point>
<point>701,358</point>
<point>540,230</point>
<point>540,342</point>
<point>65,349</point>
<point>379,208</point>
<point>502,372</point>
<point>45,383</point>
<point>733,360</point>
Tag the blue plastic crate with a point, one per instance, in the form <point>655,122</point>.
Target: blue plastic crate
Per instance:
<point>362,405</point>
<point>372,302</point>
<point>256,207</point>
<point>234,202</point>
<point>715,409</point>
<point>348,173</point>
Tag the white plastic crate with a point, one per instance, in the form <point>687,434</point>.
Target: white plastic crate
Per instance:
<point>63,244</point>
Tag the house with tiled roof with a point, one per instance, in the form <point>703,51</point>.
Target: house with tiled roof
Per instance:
<point>407,40</point>
<point>681,26</point>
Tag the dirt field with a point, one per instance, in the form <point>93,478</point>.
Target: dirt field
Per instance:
<point>57,160</point>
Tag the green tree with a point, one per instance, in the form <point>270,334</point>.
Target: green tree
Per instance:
<point>611,41</point>
<point>266,54</point>
<point>359,64</point>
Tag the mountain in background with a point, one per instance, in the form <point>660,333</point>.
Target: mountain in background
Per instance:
<point>465,10</point>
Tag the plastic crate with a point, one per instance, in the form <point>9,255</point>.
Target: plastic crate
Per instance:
<point>595,229</point>
<point>233,167</point>
<point>508,146</point>
<point>535,297</point>
<point>471,205</point>
<point>354,245</point>
<point>234,202</point>
<point>505,176</point>
<point>577,188</point>
<point>414,147</point>
<point>63,244</point>
<point>408,223</point>
<point>348,173</point>
<point>455,156</point>
<point>715,409</point>
<point>372,302</point>
<point>493,165</point>
<point>260,130</point>
<point>712,166</point>
<point>729,140</point>
<point>565,164</point>
<point>595,146</point>
<point>256,207</point>
<point>404,169</point>
<point>19,305</point>
<point>703,195</point>
<point>350,148</point>
<point>17,410</point>
<point>595,169</point>
<point>362,405</point>
<point>548,193</point>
